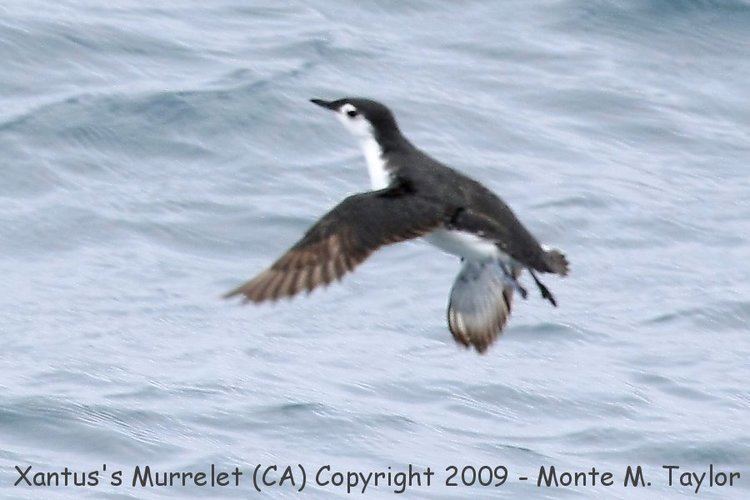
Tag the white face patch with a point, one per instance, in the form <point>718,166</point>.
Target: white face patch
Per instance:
<point>354,122</point>
<point>360,127</point>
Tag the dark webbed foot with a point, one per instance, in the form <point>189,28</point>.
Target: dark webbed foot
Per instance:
<point>519,288</point>
<point>546,294</point>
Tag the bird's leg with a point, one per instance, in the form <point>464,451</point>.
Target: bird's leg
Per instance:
<point>516,285</point>
<point>546,294</point>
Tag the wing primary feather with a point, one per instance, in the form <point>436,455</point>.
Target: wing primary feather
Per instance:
<point>343,239</point>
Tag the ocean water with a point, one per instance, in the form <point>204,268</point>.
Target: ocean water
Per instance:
<point>156,154</point>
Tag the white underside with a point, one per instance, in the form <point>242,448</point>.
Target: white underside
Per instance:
<point>466,245</point>
<point>379,176</point>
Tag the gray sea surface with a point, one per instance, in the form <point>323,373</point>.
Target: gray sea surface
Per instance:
<point>156,154</point>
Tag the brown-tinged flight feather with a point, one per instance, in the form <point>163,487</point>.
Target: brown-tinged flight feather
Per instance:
<point>343,239</point>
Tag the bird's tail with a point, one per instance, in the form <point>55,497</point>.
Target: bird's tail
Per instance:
<point>480,303</point>
<point>555,261</point>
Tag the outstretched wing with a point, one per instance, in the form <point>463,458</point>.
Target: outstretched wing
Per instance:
<point>480,303</point>
<point>342,239</point>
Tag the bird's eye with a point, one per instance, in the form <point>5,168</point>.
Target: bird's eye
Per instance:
<point>352,113</point>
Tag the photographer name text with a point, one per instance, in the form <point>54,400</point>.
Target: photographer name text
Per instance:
<point>398,480</point>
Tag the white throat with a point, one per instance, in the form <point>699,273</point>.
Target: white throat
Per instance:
<point>376,164</point>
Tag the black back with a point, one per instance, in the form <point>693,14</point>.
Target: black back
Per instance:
<point>431,179</point>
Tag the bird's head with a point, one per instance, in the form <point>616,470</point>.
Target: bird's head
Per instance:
<point>363,118</point>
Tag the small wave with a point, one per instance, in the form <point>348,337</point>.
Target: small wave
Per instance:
<point>717,316</point>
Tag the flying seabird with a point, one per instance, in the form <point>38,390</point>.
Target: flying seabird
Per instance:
<point>414,195</point>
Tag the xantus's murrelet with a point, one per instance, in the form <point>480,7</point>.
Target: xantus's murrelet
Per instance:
<point>415,196</point>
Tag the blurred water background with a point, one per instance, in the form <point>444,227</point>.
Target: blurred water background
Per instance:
<point>155,154</point>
